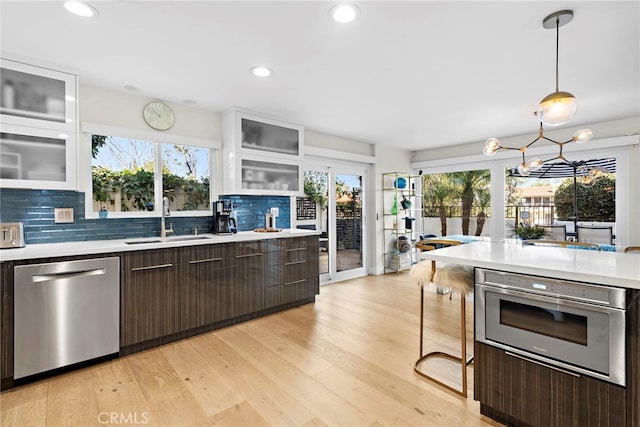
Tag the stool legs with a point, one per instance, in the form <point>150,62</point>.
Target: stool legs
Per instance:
<point>462,360</point>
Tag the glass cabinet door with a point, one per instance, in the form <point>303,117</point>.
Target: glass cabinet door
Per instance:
<point>280,177</point>
<point>36,97</point>
<point>269,137</point>
<point>36,158</point>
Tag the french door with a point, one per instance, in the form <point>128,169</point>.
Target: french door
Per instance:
<point>341,220</point>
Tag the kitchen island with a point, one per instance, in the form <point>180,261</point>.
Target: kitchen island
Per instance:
<point>519,390</point>
<point>604,268</point>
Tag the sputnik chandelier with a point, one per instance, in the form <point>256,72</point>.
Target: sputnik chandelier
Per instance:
<point>555,109</point>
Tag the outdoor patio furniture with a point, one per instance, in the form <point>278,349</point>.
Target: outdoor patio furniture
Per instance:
<point>562,244</point>
<point>603,235</point>
<point>555,232</point>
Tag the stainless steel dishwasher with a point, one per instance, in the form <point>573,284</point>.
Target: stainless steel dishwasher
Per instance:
<point>65,313</point>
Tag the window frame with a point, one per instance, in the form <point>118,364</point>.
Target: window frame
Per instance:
<point>157,139</point>
<point>617,147</point>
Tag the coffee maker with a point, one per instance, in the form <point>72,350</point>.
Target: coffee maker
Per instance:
<point>223,223</point>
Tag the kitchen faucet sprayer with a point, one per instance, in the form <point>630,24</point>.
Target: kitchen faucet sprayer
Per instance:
<point>165,212</point>
<point>165,207</point>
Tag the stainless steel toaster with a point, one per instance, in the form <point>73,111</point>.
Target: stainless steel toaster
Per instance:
<point>11,235</point>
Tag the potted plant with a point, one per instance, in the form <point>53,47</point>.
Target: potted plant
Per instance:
<point>527,232</point>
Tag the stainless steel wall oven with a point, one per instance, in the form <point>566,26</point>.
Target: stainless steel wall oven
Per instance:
<point>575,326</point>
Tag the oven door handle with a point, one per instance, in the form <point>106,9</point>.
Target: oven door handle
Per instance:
<point>537,362</point>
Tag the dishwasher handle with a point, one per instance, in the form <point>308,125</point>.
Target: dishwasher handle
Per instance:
<point>67,275</point>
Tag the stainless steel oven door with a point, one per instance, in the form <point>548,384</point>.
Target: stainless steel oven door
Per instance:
<point>582,337</point>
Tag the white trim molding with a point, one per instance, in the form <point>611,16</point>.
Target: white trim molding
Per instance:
<point>96,128</point>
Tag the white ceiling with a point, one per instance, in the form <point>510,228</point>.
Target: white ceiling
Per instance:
<point>412,75</point>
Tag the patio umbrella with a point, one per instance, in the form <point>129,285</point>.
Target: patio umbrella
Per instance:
<point>568,169</point>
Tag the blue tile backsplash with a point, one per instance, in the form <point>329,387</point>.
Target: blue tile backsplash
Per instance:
<point>249,211</point>
<point>34,208</point>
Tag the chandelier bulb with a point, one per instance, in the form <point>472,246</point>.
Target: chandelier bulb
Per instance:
<point>523,169</point>
<point>596,172</point>
<point>557,108</point>
<point>582,135</point>
<point>587,181</point>
<point>491,146</point>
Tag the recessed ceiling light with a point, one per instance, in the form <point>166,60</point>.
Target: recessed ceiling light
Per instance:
<point>344,13</point>
<point>261,71</point>
<point>189,102</point>
<point>131,88</point>
<point>81,9</point>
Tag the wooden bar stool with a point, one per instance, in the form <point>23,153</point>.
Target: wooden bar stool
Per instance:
<point>460,279</point>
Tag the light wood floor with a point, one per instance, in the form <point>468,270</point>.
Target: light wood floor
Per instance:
<point>345,360</point>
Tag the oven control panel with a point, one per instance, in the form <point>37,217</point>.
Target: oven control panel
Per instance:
<point>603,295</point>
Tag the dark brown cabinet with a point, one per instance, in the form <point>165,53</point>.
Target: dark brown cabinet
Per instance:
<point>173,293</point>
<point>247,293</point>
<point>206,273</point>
<point>633,359</point>
<point>292,270</point>
<point>150,295</point>
<point>6,326</point>
<point>520,392</point>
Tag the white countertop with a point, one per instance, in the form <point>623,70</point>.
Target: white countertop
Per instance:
<point>47,250</point>
<point>604,268</point>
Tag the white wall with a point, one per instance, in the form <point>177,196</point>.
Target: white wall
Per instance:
<point>314,139</point>
<point>602,130</point>
<point>123,110</point>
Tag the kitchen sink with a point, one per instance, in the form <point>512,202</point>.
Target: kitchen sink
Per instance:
<point>141,242</point>
<point>166,240</point>
<point>180,239</point>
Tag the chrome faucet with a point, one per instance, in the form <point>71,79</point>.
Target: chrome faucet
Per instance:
<point>165,213</point>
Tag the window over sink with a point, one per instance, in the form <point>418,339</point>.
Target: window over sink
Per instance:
<point>130,176</point>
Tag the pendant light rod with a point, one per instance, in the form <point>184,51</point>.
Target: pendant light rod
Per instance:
<point>555,109</point>
<point>557,50</point>
<point>557,20</point>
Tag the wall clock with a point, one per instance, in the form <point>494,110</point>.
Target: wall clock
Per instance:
<point>158,115</point>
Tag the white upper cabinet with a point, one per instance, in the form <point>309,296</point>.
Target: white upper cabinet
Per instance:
<point>39,127</point>
<point>37,97</point>
<point>37,158</point>
<point>262,155</point>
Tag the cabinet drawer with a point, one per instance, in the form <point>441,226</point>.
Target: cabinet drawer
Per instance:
<point>287,257</point>
<point>287,274</point>
<point>250,248</point>
<point>213,256</point>
<point>278,245</point>
<point>519,391</point>
<point>150,259</point>
<point>282,294</point>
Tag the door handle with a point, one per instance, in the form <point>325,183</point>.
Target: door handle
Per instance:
<point>248,255</point>
<point>537,362</point>
<point>66,275</point>
<point>205,260</point>
<point>152,267</point>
